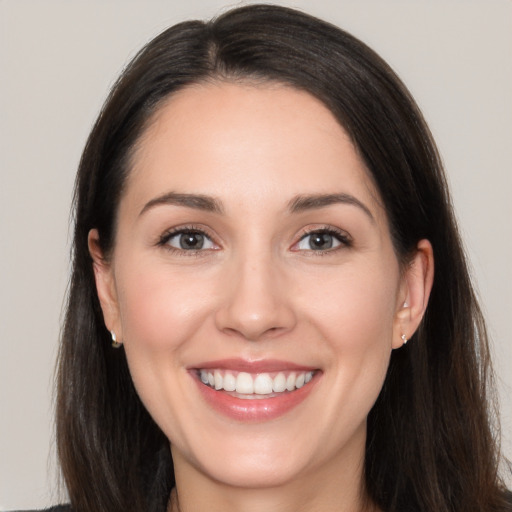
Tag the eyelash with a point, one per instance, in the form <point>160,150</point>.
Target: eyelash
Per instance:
<point>341,236</point>
<point>163,241</point>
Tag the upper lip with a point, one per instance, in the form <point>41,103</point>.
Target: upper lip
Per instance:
<point>258,366</point>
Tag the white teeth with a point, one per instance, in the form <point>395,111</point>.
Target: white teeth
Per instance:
<point>244,384</point>
<point>290,382</point>
<point>279,383</point>
<point>217,377</point>
<point>229,382</point>
<point>261,384</point>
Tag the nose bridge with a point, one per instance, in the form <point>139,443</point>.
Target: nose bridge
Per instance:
<point>256,303</point>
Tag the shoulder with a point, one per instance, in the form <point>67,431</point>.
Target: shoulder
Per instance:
<point>57,508</point>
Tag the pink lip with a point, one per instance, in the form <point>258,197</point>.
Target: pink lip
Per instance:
<point>260,366</point>
<point>253,410</point>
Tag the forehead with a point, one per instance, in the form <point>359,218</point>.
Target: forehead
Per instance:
<point>240,141</point>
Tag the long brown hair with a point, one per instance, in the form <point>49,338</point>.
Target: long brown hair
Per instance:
<point>431,444</point>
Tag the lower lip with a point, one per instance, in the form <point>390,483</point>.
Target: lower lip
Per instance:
<point>258,409</point>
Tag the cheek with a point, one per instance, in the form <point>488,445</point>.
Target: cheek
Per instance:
<point>354,312</point>
<point>355,309</point>
<point>356,319</point>
<point>160,312</point>
<point>160,309</point>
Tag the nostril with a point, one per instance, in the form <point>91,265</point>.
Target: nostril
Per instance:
<point>254,334</point>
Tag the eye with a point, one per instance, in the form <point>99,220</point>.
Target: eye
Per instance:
<point>322,240</point>
<point>188,240</point>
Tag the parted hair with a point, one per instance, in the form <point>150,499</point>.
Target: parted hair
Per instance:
<point>433,442</point>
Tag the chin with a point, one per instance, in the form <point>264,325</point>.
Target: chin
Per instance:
<point>254,460</point>
<point>256,473</point>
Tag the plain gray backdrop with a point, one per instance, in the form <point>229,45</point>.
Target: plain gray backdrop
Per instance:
<point>57,61</point>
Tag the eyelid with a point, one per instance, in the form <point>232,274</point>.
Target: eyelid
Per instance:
<point>164,238</point>
<point>341,235</point>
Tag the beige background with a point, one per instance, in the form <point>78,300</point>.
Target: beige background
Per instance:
<point>57,61</point>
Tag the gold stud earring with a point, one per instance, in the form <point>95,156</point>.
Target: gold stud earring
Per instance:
<point>115,343</point>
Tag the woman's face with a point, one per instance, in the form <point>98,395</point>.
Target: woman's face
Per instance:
<point>254,284</point>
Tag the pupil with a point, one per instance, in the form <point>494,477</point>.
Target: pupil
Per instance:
<point>321,241</point>
<point>191,241</point>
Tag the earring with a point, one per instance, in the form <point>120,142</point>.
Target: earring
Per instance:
<point>405,305</point>
<point>115,343</point>
<point>404,339</point>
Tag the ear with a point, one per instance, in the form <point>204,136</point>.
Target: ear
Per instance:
<point>414,293</point>
<point>105,285</point>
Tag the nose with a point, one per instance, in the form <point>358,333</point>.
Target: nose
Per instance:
<point>256,303</point>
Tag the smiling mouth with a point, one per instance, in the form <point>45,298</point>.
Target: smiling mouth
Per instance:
<point>245,385</point>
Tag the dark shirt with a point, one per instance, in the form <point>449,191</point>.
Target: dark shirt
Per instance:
<point>57,508</point>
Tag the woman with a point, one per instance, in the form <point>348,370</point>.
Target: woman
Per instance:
<point>259,209</point>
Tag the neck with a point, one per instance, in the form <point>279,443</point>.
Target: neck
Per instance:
<point>252,502</point>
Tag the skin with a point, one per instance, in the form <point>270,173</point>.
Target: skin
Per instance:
<point>257,290</point>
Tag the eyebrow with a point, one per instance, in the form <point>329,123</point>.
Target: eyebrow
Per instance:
<point>311,202</point>
<point>297,204</point>
<point>196,201</point>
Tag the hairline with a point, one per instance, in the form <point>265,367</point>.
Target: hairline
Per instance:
<point>252,80</point>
